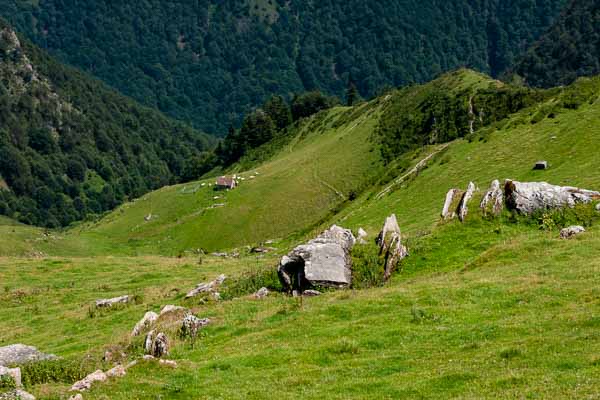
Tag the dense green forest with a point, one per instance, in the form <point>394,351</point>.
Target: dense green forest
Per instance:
<point>71,147</point>
<point>209,62</point>
<point>570,49</point>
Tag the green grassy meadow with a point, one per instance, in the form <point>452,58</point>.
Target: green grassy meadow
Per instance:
<point>486,309</point>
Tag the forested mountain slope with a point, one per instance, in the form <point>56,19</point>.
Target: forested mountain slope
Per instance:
<point>208,62</point>
<point>571,48</point>
<point>70,147</point>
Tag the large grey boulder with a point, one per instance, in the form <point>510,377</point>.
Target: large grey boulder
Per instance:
<point>571,232</point>
<point>493,200</point>
<point>390,245</point>
<point>323,261</point>
<point>146,322</point>
<point>529,197</point>
<point>104,303</point>
<point>17,354</point>
<point>12,373</point>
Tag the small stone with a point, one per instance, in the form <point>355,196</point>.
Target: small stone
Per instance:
<point>148,357</point>
<point>86,383</point>
<point>598,207</point>
<point>216,296</point>
<point>169,363</point>
<point>146,322</point>
<point>362,236</point>
<point>261,293</point>
<point>571,232</point>
<point>311,293</point>
<point>17,394</point>
<point>77,396</point>
<point>102,303</point>
<point>131,364</point>
<point>13,373</point>
<point>116,372</point>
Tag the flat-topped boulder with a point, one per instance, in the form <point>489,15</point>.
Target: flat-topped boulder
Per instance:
<point>323,261</point>
<point>18,354</point>
<point>529,197</point>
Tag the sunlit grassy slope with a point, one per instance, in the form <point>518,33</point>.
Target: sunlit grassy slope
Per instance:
<point>486,309</point>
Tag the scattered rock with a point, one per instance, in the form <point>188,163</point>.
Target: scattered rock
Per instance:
<point>131,364</point>
<point>222,255</point>
<point>216,296</point>
<point>530,197</point>
<point>571,232</point>
<point>160,347</point>
<point>146,322</point>
<point>206,287</point>
<point>311,293</point>
<point>390,245</point>
<point>148,357</point>
<point>453,199</point>
<point>171,309</point>
<point>598,207</point>
<point>463,207</point>
<point>323,261</point>
<point>86,383</point>
<point>148,342</point>
<point>261,293</point>
<point>192,324</point>
<point>262,250</point>
<point>116,372</point>
<point>362,236</point>
<point>111,302</point>
<point>113,355</point>
<point>13,373</point>
<point>17,394</point>
<point>17,354</point>
<point>77,396</point>
<point>540,165</point>
<point>169,363</point>
<point>493,200</point>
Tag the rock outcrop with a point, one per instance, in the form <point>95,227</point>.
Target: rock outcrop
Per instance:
<point>116,372</point>
<point>160,347</point>
<point>571,232</point>
<point>493,200</point>
<point>529,197</point>
<point>146,322</point>
<point>453,198</point>
<point>17,354</point>
<point>86,383</point>
<point>362,236</point>
<point>102,303</point>
<point>168,309</point>
<point>390,245</point>
<point>463,207</point>
<point>323,261</point>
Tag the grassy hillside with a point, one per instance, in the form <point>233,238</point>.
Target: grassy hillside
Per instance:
<point>486,309</point>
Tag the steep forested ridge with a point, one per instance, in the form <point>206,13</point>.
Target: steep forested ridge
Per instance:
<point>70,147</point>
<point>571,48</point>
<point>208,62</point>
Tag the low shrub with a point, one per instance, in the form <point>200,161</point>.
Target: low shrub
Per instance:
<point>53,371</point>
<point>367,267</point>
<point>249,282</point>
